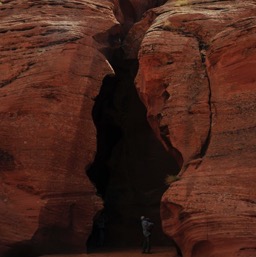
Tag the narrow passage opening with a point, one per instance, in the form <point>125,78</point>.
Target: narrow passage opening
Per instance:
<point>130,166</point>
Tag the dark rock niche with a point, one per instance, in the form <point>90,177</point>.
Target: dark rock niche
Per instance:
<point>130,165</point>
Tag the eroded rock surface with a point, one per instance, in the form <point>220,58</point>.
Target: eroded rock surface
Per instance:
<point>197,80</point>
<point>196,77</point>
<point>51,72</point>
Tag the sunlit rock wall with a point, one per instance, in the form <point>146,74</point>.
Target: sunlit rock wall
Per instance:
<point>51,72</point>
<point>197,79</point>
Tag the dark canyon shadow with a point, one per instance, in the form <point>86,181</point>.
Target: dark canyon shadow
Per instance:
<point>131,164</point>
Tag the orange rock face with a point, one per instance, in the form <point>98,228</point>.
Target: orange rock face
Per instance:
<point>51,71</point>
<point>197,80</point>
<point>196,77</point>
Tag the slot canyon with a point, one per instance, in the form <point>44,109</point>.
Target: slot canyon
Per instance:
<point>103,101</point>
<point>131,164</point>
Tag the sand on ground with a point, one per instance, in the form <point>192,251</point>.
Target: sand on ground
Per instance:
<point>156,252</point>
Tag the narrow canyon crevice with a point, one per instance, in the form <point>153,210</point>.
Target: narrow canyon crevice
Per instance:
<point>202,49</point>
<point>130,165</point>
<point>147,108</point>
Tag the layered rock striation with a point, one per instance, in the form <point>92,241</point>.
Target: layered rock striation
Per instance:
<point>54,57</point>
<point>196,77</point>
<point>51,72</point>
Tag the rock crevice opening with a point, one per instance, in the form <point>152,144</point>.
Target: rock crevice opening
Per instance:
<point>131,164</point>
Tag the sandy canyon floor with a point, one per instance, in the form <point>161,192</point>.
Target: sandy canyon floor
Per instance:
<point>156,252</point>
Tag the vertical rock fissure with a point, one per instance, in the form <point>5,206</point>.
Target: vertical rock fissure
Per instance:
<point>131,164</point>
<point>202,48</point>
<point>208,138</point>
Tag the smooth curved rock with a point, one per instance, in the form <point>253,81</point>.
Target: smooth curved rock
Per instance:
<point>52,67</point>
<point>197,80</point>
<point>51,72</point>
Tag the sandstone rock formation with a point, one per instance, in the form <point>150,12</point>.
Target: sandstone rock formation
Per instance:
<point>52,66</point>
<point>51,72</point>
<point>196,77</point>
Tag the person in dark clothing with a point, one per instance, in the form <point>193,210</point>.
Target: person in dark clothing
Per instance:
<point>147,227</point>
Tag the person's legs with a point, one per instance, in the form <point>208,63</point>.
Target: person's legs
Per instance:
<point>144,246</point>
<point>148,245</point>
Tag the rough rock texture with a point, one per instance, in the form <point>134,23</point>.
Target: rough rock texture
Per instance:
<point>52,67</point>
<point>197,79</point>
<point>51,71</point>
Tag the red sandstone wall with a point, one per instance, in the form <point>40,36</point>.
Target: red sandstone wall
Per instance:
<point>51,71</point>
<point>197,78</point>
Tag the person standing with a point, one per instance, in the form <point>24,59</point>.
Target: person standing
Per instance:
<point>147,227</point>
